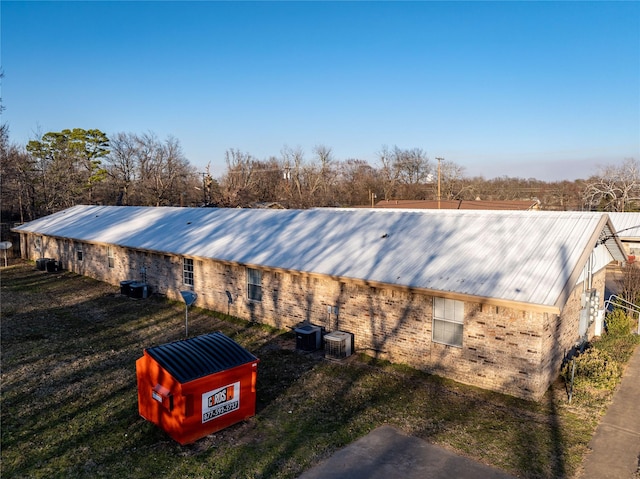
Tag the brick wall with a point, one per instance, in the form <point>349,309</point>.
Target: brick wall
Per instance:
<point>561,332</point>
<point>514,351</point>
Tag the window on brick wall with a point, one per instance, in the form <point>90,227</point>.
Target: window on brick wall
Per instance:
<point>254,284</point>
<point>111,259</point>
<point>448,321</point>
<point>79,253</point>
<point>187,271</point>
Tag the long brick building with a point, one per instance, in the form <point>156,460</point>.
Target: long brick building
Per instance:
<point>495,299</point>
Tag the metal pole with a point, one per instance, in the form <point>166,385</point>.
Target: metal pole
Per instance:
<point>439,196</point>
<point>186,321</point>
<point>573,373</point>
<point>204,189</point>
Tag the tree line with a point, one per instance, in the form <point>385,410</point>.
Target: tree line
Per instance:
<point>78,166</point>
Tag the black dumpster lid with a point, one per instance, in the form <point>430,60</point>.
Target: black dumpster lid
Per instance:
<point>194,358</point>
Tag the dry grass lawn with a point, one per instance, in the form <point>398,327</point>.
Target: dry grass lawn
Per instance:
<point>69,398</point>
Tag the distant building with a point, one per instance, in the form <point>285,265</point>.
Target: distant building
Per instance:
<point>512,205</point>
<point>496,299</point>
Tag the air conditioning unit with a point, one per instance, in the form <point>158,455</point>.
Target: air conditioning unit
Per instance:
<point>308,337</point>
<point>138,290</point>
<point>338,345</point>
<point>125,286</point>
<point>41,264</point>
<point>53,266</point>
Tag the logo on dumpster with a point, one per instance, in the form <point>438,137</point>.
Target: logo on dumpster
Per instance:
<point>220,401</point>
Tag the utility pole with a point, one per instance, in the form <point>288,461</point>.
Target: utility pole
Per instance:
<point>439,160</point>
<point>204,188</point>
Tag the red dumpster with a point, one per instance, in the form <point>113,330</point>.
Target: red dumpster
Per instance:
<point>197,386</point>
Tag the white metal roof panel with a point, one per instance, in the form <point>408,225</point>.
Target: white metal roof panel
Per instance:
<point>627,225</point>
<point>518,256</point>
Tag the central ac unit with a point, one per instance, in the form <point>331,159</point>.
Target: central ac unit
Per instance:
<point>338,345</point>
<point>308,337</point>
<point>138,290</point>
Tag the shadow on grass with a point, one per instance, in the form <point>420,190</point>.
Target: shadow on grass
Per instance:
<point>70,400</point>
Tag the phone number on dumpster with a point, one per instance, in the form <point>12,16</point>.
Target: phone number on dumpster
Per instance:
<point>220,401</point>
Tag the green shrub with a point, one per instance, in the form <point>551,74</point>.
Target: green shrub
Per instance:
<point>594,368</point>
<point>620,348</point>
<point>618,323</point>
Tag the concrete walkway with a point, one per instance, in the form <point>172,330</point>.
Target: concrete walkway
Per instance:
<point>615,447</point>
<point>386,453</point>
<point>390,454</point>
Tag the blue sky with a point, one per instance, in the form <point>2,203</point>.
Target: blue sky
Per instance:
<point>547,90</point>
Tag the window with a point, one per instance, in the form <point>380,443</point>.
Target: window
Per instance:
<point>79,255</point>
<point>111,260</point>
<point>187,271</point>
<point>254,284</point>
<point>448,321</point>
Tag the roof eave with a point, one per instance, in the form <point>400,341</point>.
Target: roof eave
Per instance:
<point>611,242</point>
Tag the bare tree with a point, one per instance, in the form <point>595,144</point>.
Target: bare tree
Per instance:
<point>390,176</point>
<point>237,184</point>
<point>165,174</point>
<point>407,173</point>
<point>293,164</point>
<point>413,166</point>
<point>142,170</point>
<point>356,182</point>
<point>561,195</point>
<point>614,188</point>
<point>452,182</point>
<point>121,165</point>
<point>629,283</point>
<point>324,176</point>
<point>18,181</point>
<point>269,181</point>
<point>176,176</point>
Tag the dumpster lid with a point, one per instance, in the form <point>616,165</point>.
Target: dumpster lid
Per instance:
<point>194,358</point>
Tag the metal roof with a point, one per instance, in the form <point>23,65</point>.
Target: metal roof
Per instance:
<point>627,225</point>
<point>193,358</point>
<point>523,256</point>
